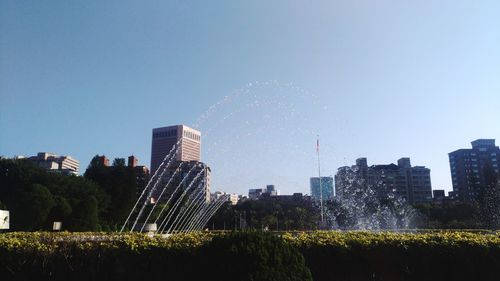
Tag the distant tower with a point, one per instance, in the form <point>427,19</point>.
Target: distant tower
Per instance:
<point>165,138</point>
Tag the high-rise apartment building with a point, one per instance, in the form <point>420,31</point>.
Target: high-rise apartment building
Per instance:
<point>412,184</point>
<point>165,138</point>
<point>468,167</point>
<point>326,188</point>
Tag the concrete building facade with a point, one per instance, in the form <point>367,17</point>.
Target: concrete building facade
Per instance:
<point>51,162</point>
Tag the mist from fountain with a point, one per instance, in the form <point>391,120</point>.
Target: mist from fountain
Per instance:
<point>172,197</point>
<point>212,209</point>
<point>179,210</point>
<point>368,206</point>
<point>194,196</point>
<point>169,216</point>
<point>193,201</point>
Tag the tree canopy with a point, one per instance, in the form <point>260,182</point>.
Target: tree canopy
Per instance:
<point>36,198</point>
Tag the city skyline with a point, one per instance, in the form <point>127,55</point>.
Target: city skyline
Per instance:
<point>373,80</point>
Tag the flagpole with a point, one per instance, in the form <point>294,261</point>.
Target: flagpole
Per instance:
<point>320,187</point>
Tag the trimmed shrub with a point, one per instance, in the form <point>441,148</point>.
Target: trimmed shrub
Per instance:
<point>252,256</point>
<point>97,256</point>
<point>398,256</point>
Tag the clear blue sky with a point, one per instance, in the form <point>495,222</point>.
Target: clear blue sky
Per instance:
<point>379,79</point>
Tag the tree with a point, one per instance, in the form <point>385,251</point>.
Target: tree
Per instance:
<point>33,208</point>
<point>37,198</point>
<point>271,212</point>
<point>61,211</point>
<point>119,162</point>
<point>249,256</point>
<point>85,214</point>
<point>119,184</point>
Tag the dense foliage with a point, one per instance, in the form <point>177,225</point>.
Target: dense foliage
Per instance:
<point>267,213</point>
<point>400,256</point>
<point>119,183</point>
<point>37,198</point>
<point>248,256</point>
<point>200,256</point>
<point>448,215</point>
<point>251,256</point>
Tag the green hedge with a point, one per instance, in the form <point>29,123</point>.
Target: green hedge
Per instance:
<point>251,256</point>
<point>398,256</point>
<point>200,256</point>
<point>91,256</point>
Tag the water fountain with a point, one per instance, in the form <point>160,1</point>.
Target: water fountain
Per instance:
<point>188,207</point>
<point>261,123</point>
<point>364,205</point>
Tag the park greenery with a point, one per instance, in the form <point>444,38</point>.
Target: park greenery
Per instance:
<point>320,255</point>
<point>101,199</point>
<point>36,198</point>
<point>267,213</point>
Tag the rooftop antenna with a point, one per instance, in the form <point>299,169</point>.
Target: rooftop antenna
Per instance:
<point>320,187</point>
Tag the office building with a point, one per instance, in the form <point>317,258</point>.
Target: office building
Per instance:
<point>164,139</point>
<point>412,184</point>
<point>326,188</point>
<point>61,164</point>
<point>468,167</point>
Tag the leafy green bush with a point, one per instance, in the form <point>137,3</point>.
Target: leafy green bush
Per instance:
<point>400,256</point>
<point>96,256</point>
<point>251,256</point>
